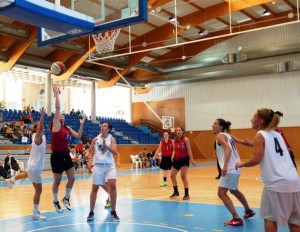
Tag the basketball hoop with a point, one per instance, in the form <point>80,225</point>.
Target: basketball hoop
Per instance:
<point>105,41</point>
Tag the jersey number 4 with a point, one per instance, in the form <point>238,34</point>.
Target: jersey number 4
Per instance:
<point>278,148</point>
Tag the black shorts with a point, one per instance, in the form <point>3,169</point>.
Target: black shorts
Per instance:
<point>166,163</point>
<point>60,162</point>
<point>178,163</point>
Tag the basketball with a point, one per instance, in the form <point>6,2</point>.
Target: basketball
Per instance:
<point>58,68</point>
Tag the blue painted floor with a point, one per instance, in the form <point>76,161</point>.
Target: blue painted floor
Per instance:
<point>138,215</point>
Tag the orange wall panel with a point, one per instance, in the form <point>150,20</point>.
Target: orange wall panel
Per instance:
<point>173,107</point>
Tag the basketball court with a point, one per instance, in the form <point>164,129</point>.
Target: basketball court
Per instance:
<point>142,205</point>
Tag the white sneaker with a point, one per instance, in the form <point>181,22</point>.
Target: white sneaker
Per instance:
<point>38,217</point>
<point>66,202</point>
<point>9,184</point>
<point>57,207</point>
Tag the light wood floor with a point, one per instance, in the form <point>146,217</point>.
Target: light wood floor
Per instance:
<point>131,184</point>
<point>140,184</point>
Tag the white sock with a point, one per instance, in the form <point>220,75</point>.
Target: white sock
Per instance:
<point>12,180</point>
<point>68,193</point>
<point>35,208</point>
<point>55,197</point>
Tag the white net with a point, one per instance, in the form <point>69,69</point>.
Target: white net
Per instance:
<point>105,41</point>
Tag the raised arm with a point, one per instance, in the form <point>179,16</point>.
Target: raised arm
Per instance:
<point>79,133</point>
<point>56,122</point>
<point>40,128</point>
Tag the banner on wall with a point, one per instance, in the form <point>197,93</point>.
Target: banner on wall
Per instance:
<point>167,122</point>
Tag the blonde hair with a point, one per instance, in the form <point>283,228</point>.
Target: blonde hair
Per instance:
<point>270,118</point>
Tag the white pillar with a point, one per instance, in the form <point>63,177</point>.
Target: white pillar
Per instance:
<point>93,100</point>
<point>48,89</point>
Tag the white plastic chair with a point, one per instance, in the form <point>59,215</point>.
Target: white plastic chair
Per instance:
<point>136,162</point>
<point>21,165</point>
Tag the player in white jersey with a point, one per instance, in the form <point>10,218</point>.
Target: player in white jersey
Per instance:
<point>228,155</point>
<point>101,152</point>
<point>280,201</point>
<point>35,165</point>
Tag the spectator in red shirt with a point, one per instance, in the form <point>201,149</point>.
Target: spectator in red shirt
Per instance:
<point>79,147</point>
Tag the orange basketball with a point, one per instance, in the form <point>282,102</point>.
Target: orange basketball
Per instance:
<point>58,68</point>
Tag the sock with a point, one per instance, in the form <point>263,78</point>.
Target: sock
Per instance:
<point>165,179</point>
<point>186,191</point>
<point>55,197</point>
<point>68,193</point>
<point>175,189</point>
<point>35,208</point>
<point>12,180</point>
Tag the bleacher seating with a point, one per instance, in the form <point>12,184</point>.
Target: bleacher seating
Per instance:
<point>123,132</point>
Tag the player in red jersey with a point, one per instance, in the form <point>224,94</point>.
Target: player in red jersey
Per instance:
<point>166,149</point>
<point>181,158</point>
<point>60,157</point>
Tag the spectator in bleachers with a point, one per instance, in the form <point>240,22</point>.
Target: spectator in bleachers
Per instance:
<point>71,146</point>
<point>3,172</point>
<point>72,113</point>
<point>25,131</point>
<point>10,162</point>
<point>32,110</point>
<point>27,108</point>
<point>87,146</point>
<point>17,133</point>
<point>22,124</point>
<point>81,113</point>
<point>85,161</point>
<point>77,112</point>
<point>79,147</point>
<point>150,156</point>
<point>27,118</point>
<point>74,158</point>
<point>143,156</point>
<point>2,128</point>
<point>8,131</point>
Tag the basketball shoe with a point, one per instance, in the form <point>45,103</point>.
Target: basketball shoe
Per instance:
<point>38,217</point>
<point>57,207</point>
<point>114,215</point>
<point>234,222</point>
<point>90,217</point>
<point>66,202</point>
<point>249,213</point>
<point>164,184</point>
<point>108,204</point>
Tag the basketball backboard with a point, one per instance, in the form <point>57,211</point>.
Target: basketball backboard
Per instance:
<point>104,14</point>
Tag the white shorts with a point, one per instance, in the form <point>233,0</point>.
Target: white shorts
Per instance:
<point>280,207</point>
<point>35,176</point>
<point>229,181</point>
<point>103,172</point>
